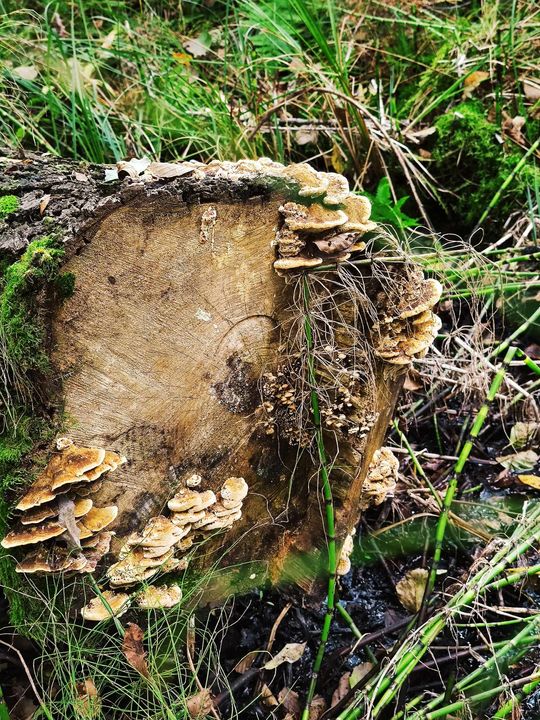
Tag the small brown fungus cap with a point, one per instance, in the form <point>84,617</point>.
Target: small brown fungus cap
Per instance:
<point>311,182</point>
<point>381,479</point>
<point>188,499</point>
<point>298,262</point>
<point>105,606</point>
<point>338,189</point>
<point>311,218</point>
<point>159,531</point>
<point>47,560</point>
<point>65,468</point>
<point>234,489</point>
<point>97,519</point>
<point>161,596</point>
<point>358,209</point>
<point>423,297</point>
<point>32,534</point>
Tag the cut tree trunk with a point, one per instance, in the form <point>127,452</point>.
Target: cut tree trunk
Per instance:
<point>176,315</point>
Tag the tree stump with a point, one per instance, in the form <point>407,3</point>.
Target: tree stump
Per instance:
<point>183,347</point>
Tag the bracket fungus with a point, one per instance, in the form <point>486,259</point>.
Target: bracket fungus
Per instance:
<point>52,511</point>
<point>159,596</point>
<point>381,479</point>
<point>108,604</point>
<point>407,326</point>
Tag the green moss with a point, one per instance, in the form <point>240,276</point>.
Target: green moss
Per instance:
<point>26,371</point>
<point>8,204</point>
<point>471,161</point>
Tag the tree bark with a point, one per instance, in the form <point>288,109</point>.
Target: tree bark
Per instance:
<point>176,315</point>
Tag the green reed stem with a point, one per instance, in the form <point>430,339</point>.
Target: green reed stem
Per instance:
<point>328,501</point>
<point>458,468</point>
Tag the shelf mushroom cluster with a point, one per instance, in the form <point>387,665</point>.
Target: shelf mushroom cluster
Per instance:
<point>161,546</point>
<point>324,223</point>
<point>343,404</point>
<point>408,326</point>
<point>59,518</point>
<point>381,478</point>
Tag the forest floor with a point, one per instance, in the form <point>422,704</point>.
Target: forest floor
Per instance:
<point>432,109</point>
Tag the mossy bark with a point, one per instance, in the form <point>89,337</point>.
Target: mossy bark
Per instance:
<point>159,349</point>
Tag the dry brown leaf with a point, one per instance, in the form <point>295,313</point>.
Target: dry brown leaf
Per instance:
<point>410,589</point>
<point>290,700</point>
<point>291,653</point>
<point>45,200</point>
<point>246,662</point>
<point>522,460</point>
<point>66,517</point>
<point>25,72</point>
<point>109,40</point>
<point>81,177</point>
<point>341,690</point>
<point>335,243</point>
<point>317,708</point>
<point>523,433</point>
<point>359,671</point>
<point>413,381</point>
<point>168,170</point>
<point>531,88</point>
<point>304,136</point>
<point>196,47</point>
<point>268,697</point>
<point>87,704</point>
<point>200,705</point>
<point>532,481</point>
<point>133,649</point>
<point>472,81</point>
<point>513,126</point>
<point>338,161</point>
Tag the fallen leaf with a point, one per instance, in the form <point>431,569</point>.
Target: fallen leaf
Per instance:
<point>513,126</point>
<point>522,460</point>
<point>109,40</point>
<point>87,704</point>
<point>410,589</point>
<point>246,662</point>
<point>132,168</point>
<point>532,481</point>
<point>291,653</point>
<point>533,351</point>
<point>531,88</point>
<point>523,433</point>
<point>413,381</point>
<point>268,697</point>
<point>317,708</point>
<point>359,671</point>
<point>81,177</point>
<point>133,649</point>
<point>200,704</point>
<point>472,81</point>
<point>45,200</point>
<point>111,174</point>
<point>66,517</point>
<point>196,47</point>
<point>290,700</point>
<point>338,162</point>
<point>168,170</point>
<point>341,690</point>
<point>336,243</point>
<point>305,136</point>
<point>25,72</point>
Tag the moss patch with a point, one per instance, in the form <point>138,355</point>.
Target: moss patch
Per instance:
<point>471,161</point>
<point>8,204</point>
<point>28,421</point>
